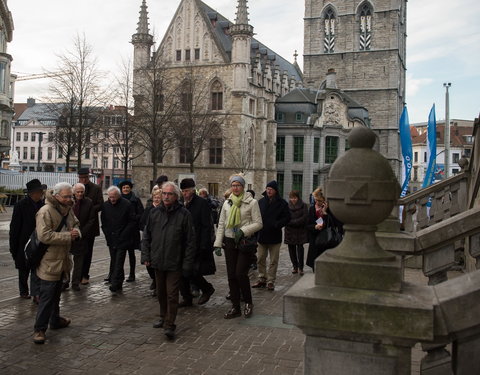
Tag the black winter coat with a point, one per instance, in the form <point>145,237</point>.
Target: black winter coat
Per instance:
<point>296,229</point>
<point>86,217</point>
<point>275,215</point>
<point>169,239</point>
<point>138,208</point>
<point>94,192</point>
<point>199,208</point>
<point>146,213</point>
<point>315,251</point>
<point>119,224</point>
<point>21,227</point>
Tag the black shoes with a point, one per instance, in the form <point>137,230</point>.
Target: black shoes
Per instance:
<point>247,312</point>
<point>131,278</point>
<point>185,303</point>
<point>159,324</point>
<point>234,312</point>
<point>206,297</point>
<point>170,332</point>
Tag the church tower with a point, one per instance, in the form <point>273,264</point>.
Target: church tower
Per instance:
<point>142,40</point>
<point>364,41</point>
<point>242,34</point>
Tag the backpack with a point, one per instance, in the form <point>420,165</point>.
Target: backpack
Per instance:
<point>35,250</point>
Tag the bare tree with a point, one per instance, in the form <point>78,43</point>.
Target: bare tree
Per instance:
<point>242,158</point>
<point>199,117</point>
<point>155,106</point>
<point>77,96</point>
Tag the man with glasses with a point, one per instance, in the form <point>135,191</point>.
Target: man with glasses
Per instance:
<point>168,246</point>
<point>57,227</point>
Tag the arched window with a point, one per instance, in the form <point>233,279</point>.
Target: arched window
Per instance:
<point>186,98</point>
<point>217,96</point>
<point>329,40</point>
<point>365,27</point>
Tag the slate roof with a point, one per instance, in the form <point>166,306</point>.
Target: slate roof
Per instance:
<point>225,42</point>
<point>41,111</point>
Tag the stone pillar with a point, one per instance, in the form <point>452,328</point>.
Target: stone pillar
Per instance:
<point>358,314</point>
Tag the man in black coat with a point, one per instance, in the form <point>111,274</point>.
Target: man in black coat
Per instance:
<point>168,246</point>
<point>127,193</point>
<point>21,227</point>
<point>275,215</point>
<point>204,263</point>
<point>119,226</point>
<point>94,192</point>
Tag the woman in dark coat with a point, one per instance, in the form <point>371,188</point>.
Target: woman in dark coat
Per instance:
<point>320,218</point>
<point>85,212</point>
<point>127,193</point>
<point>296,231</point>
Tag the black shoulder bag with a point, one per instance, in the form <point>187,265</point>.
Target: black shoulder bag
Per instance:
<point>35,250</point>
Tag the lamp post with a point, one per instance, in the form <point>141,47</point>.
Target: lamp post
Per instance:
<point>446,135</point>
<point>40,139</point>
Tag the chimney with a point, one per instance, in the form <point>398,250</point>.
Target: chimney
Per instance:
<point>30,102</point>
<point>331,82</point>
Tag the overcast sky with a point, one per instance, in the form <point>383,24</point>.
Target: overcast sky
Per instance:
<point>443,42</point>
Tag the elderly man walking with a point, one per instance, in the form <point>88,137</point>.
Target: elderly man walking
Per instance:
<point>56,227</point>
<point>204,263</point>
<point>85,213</point>
<point>118,225</point>
<point>21,227</point>
<point>94,192</point>
<point>168,246</point>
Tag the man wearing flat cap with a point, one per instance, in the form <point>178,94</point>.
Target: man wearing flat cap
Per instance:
<point>94,192</point>
<point>21,227</point>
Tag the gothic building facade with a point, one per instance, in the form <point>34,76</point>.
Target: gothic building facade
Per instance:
<point>242,78</point>
<point>364,41</point>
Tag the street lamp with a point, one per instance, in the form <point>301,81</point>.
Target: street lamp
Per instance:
<point>40,139</point>
<point>446,135</point>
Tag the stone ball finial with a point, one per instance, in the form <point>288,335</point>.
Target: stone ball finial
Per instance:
<point>362,188</point>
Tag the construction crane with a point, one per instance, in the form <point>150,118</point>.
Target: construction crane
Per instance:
<point>41,75</point>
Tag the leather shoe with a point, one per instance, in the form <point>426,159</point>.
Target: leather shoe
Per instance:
<point>247,312</point>
<point>170,332</point>
<point>130,279</point>
<point>159,324</point>
<point>271,286</point>
<point>206,297</point>
<point>61,323</point>
<point>39,337</point>
<point>185,303</point>
<point>259,284</point>
<point>85,281</point>
<point>234,312</point>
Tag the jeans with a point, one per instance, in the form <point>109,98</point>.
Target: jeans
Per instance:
<point>238,264</point>
<point>168,285</point>
<point>49,306</point>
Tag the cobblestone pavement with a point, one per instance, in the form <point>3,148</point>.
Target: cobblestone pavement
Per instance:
<point>114,335</point>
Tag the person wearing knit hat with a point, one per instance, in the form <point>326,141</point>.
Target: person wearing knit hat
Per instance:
<point>275,215</point>
<point>240,217</point>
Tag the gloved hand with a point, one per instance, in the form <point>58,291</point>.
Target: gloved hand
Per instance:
<point>238,236</point>
<point>218,251</point>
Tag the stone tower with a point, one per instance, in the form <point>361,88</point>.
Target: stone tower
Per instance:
<point>364,41</point>
<point>242,34</point>
<point>142,40</point>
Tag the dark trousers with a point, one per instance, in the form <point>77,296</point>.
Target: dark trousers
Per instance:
<point>117,262</point>
<point>168,285</point>
<point>296,255</point>
<point>197,280</point>
<point>238,264</point>
<point>151,272</point>
<point>132,260</point>
<point>78,260</point>
<point>49,306</point>
<point>23,274</point>
<point>87,259</point>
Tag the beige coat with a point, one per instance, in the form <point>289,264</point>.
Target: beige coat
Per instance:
<point>57,259</point>
<point>251,219</point>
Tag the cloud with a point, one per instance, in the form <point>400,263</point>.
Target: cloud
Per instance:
<point>413,85</point>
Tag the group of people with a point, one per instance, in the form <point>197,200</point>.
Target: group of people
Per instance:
<point>176,235</point>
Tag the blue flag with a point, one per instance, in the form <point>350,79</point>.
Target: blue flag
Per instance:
<point>406,143</point>
<point>431,149</point>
